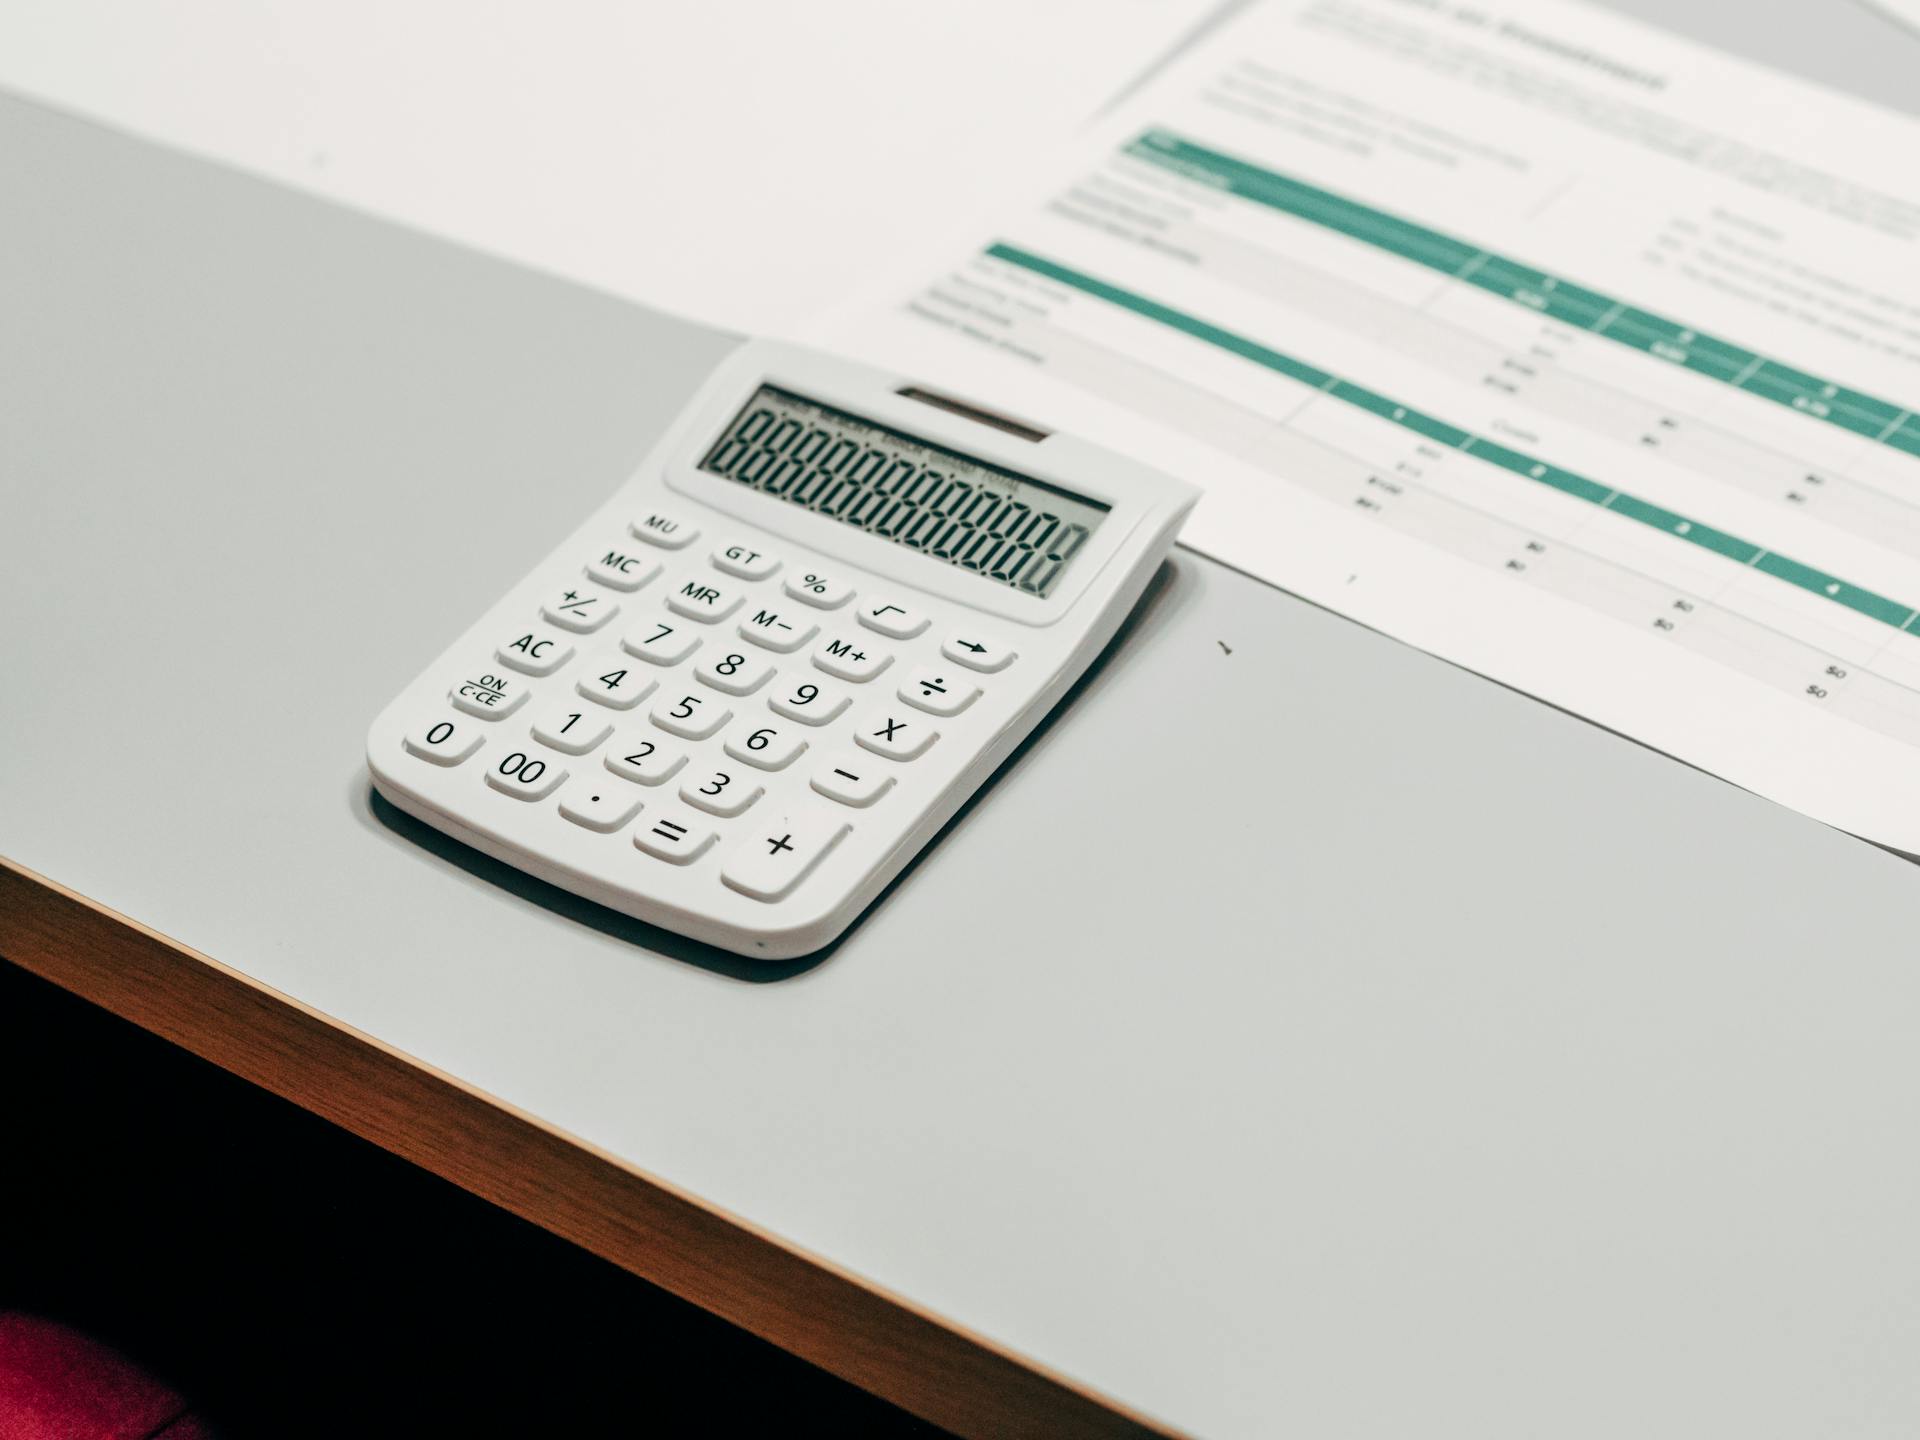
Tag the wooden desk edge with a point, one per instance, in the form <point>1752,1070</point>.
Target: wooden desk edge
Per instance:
<point>802,1303</point>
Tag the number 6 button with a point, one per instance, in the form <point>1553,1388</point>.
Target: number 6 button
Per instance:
<point>770,747</point>
<point>891,734</point>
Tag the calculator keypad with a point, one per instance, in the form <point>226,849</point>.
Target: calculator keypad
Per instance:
<point>675,735</point>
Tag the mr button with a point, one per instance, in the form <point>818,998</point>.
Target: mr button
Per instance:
<point>782,854</point>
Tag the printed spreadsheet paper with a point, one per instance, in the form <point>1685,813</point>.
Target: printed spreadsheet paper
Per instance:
<point>1577,354</point>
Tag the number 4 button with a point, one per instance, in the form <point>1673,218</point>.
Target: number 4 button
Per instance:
<point>614,680</point>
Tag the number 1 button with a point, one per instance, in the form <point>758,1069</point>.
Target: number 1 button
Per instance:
<point>782,854</point>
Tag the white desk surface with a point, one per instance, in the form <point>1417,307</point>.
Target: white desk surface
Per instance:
<point>1428,1062</point>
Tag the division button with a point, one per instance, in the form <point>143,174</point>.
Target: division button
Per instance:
<point>782,853</point>
<point>938,691</point>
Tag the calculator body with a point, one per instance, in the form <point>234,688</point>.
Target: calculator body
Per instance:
<point>723,706</point>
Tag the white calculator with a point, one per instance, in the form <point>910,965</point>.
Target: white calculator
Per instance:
<point>738,699</point>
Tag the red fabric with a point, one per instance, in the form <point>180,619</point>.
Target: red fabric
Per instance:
<point>59,1384</point>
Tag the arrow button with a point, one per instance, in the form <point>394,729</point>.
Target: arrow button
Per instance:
<point>977,650</point>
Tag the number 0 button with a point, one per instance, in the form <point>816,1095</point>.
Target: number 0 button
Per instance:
<point>443,739</point>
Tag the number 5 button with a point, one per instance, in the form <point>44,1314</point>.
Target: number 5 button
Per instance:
<point>782,854</point>
<point>892,734</point>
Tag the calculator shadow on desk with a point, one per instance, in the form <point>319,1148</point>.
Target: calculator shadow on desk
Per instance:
<point>1156,607</point>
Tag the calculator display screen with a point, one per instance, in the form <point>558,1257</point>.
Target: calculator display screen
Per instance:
<point>1011,528</point>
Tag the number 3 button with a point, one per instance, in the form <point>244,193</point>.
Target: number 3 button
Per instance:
<point>720,792</point>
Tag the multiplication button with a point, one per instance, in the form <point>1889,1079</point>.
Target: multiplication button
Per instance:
<point>895,735</point>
